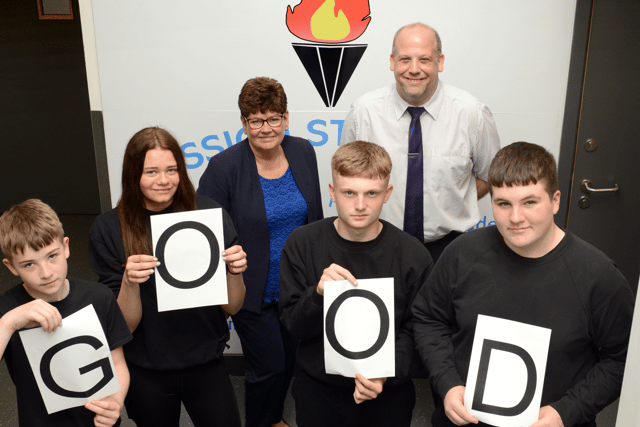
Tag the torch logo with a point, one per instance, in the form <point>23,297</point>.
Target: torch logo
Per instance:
<point>330,24</point>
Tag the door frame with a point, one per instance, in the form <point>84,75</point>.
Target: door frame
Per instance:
<point>569,143</point>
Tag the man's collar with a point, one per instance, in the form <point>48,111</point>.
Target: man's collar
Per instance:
<point>432,106</point>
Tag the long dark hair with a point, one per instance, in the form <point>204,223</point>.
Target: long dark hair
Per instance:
<point>131,206</point>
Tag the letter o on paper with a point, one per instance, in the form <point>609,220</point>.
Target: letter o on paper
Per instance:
<point>331,321</point>
<point>45,367</point>
<point>213,262</point>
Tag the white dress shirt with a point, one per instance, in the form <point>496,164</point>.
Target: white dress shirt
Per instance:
<point>459,140</point>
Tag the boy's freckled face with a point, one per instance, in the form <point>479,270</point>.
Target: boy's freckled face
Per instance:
<point>43,271</point>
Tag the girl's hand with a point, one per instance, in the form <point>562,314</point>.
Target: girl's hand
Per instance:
<point>235,258</point>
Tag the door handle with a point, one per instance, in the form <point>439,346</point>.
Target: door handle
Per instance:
<point>586,187</point>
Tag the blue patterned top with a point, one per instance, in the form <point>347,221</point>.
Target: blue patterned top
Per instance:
<point>286,211</point>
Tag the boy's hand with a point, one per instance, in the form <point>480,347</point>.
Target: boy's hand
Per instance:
<point>107,411</point>
<point>548,417</point>
<point>334,273</point>
<point>139,268</point>
<point>235,258</point>
<point>454,407</point>
<point>34,313</point>
<point>367,389</point>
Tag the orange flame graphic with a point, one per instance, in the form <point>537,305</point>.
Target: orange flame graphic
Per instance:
<point>332,21</point>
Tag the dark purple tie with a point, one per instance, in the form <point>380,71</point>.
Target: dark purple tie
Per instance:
<point>413,208</point>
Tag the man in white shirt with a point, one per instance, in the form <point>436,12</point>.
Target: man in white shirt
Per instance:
<point>459,140</point>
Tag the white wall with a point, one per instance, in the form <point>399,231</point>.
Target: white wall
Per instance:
<point>629,408</point>
<point>90,55</point>
<point>181,65</point>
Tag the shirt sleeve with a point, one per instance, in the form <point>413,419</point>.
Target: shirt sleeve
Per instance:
<point>408,364</point>
<point>350,126</point>
<point>486,142</point>
<point>117,331</point>
<point>434,321</point>
<point>229,231</point>
<point>214,184</point>
<point>301,307</point>
<point>316,185</point>
<point>105,258</point>
<point>230,235</point>
<point>611,318</point>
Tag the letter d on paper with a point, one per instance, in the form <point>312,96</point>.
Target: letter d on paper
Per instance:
<point>487,347</point>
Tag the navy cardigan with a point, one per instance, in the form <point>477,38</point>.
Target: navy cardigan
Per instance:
<point>232,180</point>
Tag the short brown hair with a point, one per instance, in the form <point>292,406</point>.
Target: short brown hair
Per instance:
<point>361,159</point>
<point>262,94</point>
<point>131,206</point>
<point>523,163</point>
<point>31,223</point>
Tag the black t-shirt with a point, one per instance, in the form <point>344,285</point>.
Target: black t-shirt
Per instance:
<point>312,248</point>
<point>175,339</point>
<point>31,409</point>
<point>574,290</point>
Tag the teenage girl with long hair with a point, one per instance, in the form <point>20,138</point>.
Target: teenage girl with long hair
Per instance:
<point>175,356</point>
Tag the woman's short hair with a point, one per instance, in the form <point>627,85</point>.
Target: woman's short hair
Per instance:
<point>262,94</point>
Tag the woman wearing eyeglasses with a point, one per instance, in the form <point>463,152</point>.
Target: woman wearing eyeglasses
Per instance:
<point>269,185</point>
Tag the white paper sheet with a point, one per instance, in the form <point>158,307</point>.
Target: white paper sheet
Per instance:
<point>72,365</point>
<point>506,372</point>
<point>359,334</point>
<point>189,246</point>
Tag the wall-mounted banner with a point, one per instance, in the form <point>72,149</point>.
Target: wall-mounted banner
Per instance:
<point>359,328</point>
<point>188,246</point>
<point>506,372</point>
<point>72,365</point>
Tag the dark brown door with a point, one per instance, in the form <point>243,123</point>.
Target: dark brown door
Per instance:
<point>606,147</point>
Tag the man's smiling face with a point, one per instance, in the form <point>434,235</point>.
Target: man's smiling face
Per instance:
<point>415,63</point>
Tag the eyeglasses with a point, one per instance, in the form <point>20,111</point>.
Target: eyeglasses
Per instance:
<point>274,122</point>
